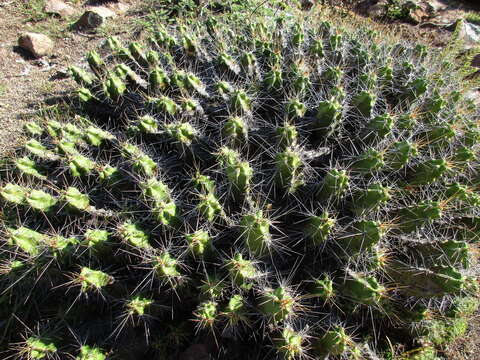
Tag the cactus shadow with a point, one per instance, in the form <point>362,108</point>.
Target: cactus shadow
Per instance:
<point>63,98</point>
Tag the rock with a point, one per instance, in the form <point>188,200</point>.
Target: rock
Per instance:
<point>36,44</point>
<point>405,10</point>
<point>103,10</point>
<point>195,352</point>
<point>378,9</point>
<point>476,61</point>
<point>59,8</point>
<point>472,32</point>
<point>413,11</point>
<point>418,15</point>
<point>41,63</point>
<point>307,5</point>
<point>469,33</point>
<point>118,7</point>
<point>434,6</point>
<point>94,17</point>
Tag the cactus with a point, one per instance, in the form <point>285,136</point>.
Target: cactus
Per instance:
<point>26,239</point>
<point>415,216</point>
<point>39,348</point>
<point>91,353</point>
<point>256,233</point>
<point>133,234</point>
<point>290,344</point>
<point>242,271</point>
<point>364,102</point>
<point>401,154</point>
<point>272,185</point>
<point>209,207</point>
<point>138,306</point>
<point>206,314</point>
<point>323,288</point>
<point>318,228</point>
<point>199,242</point>
<point>97,240</point>
<point>33,128</point>
<point>362,289</point>
<point>334,342</point>
<point>114,87</point>
<point>235,129</point>
<point>334,184</point>
<point>429,171</point>
<point>238,172</point>
<point>427,282</point>
<point>235,311</point>
<point>369,161</point>
<point>288,164</point>
<point>328,115</point>
<point>166,267</point>
<point>80,76</point>
<point>277,304</point>
<point>371,198</point>
<point>361,237</point>
<point>89,279</point>
<point>213,287</point>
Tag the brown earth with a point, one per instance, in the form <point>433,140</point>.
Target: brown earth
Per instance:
<point>26,84</point>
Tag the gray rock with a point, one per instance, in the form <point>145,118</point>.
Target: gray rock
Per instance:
<point>94,17</point>
<point>434,6</point>
<point>118,7</point>
<point>36,44</point>
<point>59,8</point>
<point>469,33</point>
<point>476,61</point>
<point>418,11</point>
<point>307,4</point>
<point>378,9</point>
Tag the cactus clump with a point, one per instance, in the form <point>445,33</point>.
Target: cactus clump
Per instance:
<point>285,186</point>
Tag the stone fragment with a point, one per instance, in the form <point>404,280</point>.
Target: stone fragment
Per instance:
<point>418,15</point>
<point>59,8</point>
<point>307,4</point>
<point>119,8</point>
<point>377,10</point>
<point>468,32</point>
<point>476,61</point>
<point>94,17</point>
<point>36,44</point>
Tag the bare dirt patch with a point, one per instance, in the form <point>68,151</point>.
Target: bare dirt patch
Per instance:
<point>27,84</point>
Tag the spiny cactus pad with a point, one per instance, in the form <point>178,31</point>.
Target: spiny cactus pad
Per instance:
<point>284,186</point>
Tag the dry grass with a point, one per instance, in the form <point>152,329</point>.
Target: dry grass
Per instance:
<point>467,347</point>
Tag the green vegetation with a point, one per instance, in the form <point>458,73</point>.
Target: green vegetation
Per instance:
<point>473,17</point>
<point>253,172</point>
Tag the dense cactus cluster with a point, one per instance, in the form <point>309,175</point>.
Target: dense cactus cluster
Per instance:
<point>285,190</point>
